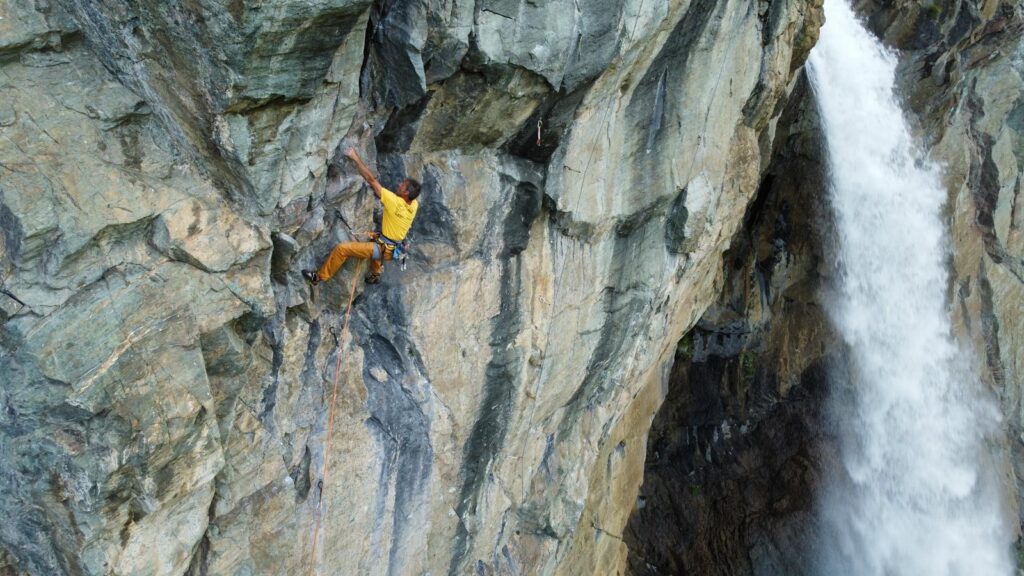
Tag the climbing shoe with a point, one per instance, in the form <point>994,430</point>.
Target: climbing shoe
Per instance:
<point>372,278</point>
<point>311,276</point>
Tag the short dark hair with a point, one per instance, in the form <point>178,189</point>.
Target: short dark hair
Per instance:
<point>412,186</point>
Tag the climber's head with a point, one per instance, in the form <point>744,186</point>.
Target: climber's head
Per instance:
<point>409,189</point>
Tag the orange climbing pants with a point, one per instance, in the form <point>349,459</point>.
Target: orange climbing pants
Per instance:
<point>346,250</point>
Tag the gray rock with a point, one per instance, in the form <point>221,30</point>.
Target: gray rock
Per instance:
<point>449,25</point>
<point>180,401</point>
<point>9,306</point>
<point>734,453</point>
<point>27,27</point>
<point>395,59</point>
<point>207,237</point>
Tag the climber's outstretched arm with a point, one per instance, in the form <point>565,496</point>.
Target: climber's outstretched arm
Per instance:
<point>364,171</point>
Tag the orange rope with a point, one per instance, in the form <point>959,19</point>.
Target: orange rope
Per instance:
<point>330,423</point>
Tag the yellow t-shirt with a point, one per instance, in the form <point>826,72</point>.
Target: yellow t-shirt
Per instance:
<point>397,215</point>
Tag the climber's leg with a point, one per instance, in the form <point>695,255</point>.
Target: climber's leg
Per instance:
<point>376,266</point>
<point>342,252</point>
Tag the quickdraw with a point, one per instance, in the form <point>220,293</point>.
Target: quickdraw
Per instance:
<point>399,253</point>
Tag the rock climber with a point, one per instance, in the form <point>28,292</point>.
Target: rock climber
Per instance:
<point>399,212</point>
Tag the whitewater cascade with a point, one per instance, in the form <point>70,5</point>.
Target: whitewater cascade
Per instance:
<point>915,494</point>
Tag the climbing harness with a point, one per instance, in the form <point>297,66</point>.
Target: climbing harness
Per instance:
<point>322,484</point>
<point>398,250</point>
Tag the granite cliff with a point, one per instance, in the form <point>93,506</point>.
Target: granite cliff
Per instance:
<point>621,205</point>
<point>169,168</point>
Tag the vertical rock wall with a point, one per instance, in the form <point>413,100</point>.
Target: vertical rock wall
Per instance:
<point>736,451</point>
<point>167,168</point>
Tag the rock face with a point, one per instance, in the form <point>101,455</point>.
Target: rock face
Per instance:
<point>735,453</point>
<point>600,179</point>
<point>169,167</point>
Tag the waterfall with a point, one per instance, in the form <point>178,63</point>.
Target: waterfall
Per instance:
<point>917,492</point>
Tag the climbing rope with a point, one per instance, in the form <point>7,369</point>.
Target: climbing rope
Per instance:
<point>330,424</point>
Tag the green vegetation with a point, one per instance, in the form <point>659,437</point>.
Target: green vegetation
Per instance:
<point>747,366</point>
<point>685,347</point>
